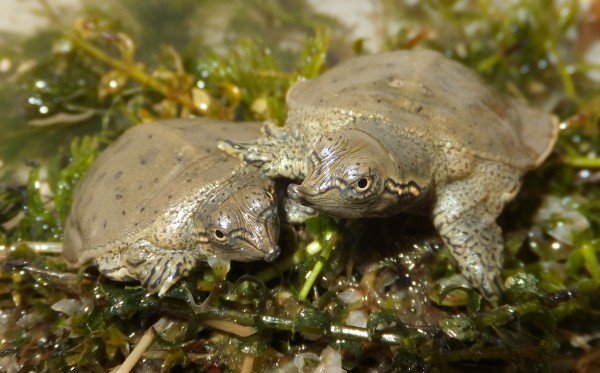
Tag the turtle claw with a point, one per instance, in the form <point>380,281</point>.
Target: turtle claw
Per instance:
<point>276,154</point>
<point>272,130</point>
<point>255,154</point>
<point>156,272</point>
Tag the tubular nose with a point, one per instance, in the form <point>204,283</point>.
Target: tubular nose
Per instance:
<point>294,191</point>
<point>272,254</point>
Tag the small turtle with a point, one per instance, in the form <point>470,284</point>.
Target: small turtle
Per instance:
<point>163,197</point>
<point>408,131</point>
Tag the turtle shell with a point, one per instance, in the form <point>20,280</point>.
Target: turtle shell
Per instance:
<point>149,181</point>
<point>426,96</point>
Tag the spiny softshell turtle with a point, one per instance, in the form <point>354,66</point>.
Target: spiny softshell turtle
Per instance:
<point>162,197</point>
<point>408,131</point>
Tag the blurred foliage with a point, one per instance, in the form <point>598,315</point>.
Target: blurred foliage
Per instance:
<point>382,292</point>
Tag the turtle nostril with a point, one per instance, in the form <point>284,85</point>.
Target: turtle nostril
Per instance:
<point>272,254</point>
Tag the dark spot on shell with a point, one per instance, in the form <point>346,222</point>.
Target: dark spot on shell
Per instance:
<point>118,174</point>
<point>188,181</point>
<point>150,136</point>
<point>104,225</point>
<point>143,161</point>
<point>123,212</point>
<point>140,187</point>
<point>118,196</point>
<point>156,180</point>
<point>169,196</point>
<point>142,209</point>
<point>419,109</point>
<point>135,224</point>
<point>93,218</point>
<point>156,211</point>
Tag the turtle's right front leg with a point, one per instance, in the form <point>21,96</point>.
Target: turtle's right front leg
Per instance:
<point>156,268</point>
<point>475,241</point>
<point>278,153</point>
<point>465,214</point>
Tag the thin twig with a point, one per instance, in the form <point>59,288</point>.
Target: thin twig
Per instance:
<point>141,347</point>
<point>230,327</point>
<point>583,162</point>
<point>247,364</point>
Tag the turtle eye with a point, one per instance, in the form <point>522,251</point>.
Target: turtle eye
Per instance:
<point>363,184</point>
<point>219,235</point>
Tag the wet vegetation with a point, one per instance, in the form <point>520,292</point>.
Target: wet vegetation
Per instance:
<point>357,295</point>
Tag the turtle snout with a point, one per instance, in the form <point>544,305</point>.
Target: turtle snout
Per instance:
<point>272,254</point>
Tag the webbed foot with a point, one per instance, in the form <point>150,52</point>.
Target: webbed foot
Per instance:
<point>465,215</point>
<point>255,154</point>
<point>276,154</point>
<point>475,241</point>
<point>296,213</point>
<point>156,268</point>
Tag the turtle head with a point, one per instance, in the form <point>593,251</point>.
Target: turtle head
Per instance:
<point>245,226</point>
<point>352,174</point>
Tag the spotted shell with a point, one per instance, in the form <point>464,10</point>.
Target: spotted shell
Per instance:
<point>426,96</point>
<point>152,190</point>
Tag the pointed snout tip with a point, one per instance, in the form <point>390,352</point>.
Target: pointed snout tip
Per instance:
<point>273,254</point>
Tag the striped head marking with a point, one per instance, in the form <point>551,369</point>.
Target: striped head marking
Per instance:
<point>351,174</point>
<point>245,226</point>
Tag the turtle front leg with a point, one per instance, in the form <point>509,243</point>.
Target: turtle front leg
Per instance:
<point>475,241</point>
<point>465,215</point>
<point>277,154</point>
<point>295,212</point>
<point>156,268</point>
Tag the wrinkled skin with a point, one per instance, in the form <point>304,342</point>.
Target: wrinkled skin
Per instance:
<point>352,175</point>
<point>408,131</point>
<point>244,227</point>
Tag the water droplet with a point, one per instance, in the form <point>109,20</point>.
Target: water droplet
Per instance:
<point>584,174</point>
<point>542,64</point>
<point>34,101</point>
